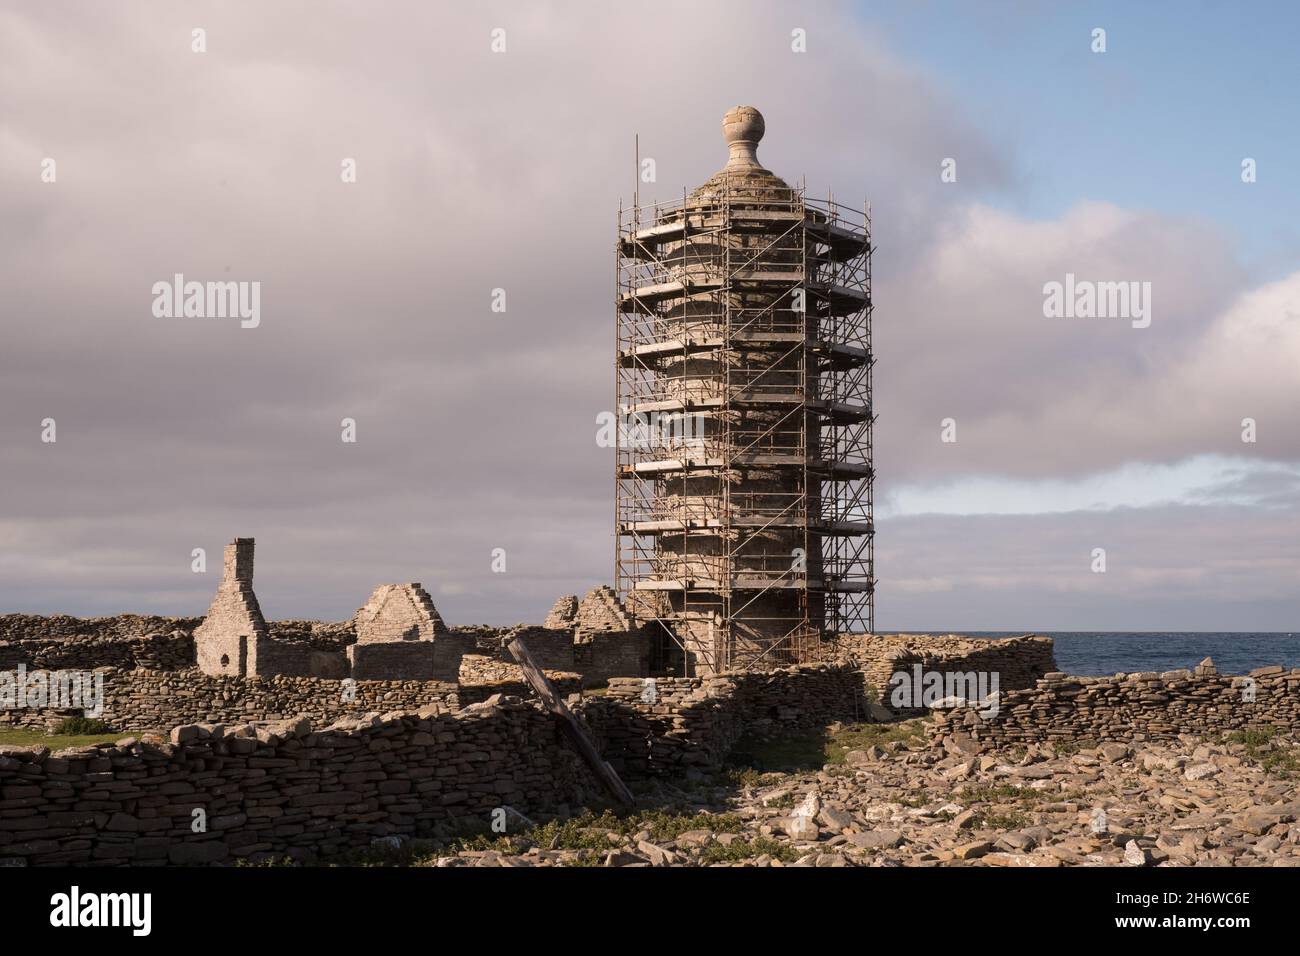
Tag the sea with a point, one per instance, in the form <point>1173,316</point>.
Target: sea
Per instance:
<point>1096,653</point>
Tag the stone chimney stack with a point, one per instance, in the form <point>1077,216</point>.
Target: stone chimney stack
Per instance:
<point>238,562</point>
<point>229,641</point>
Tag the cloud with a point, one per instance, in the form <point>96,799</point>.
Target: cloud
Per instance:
<point>1204,479</point>
<point>479,171</point>
<point>1168,568</point>
<point>476,171</point>
<point>962,335</point>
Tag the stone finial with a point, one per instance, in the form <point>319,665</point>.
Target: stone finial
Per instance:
<point>742,128</point>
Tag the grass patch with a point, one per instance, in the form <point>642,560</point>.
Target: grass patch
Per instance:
<point>265,864</point>
<point>861,736</point>
<point>914,799</point>
<point>811,751</point>
<point>999,793</point>
<point>1264,748</point>
<point>589,835</point>
<point>1001,820</point>
<point>82,726</point>
<point>31,737</point>
<point>1000,817</point>
<point>738,777</point>
<point>1253,737</point>
<point>739,850</point>
<point>795,754</point>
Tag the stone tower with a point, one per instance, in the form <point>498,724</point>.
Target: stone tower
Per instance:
<point>743,503</point>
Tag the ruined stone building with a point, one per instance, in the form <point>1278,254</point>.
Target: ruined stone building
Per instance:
<point>234,635</point>
<point>400,636</point>
<point>744,464</point>
<point>606,641</point>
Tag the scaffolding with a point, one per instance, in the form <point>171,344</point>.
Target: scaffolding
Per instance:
<point>743,501</point>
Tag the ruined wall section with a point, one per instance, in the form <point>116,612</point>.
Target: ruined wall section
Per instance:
<point>60,642</point>
<point>607,643</point>
<point>1133,707</point>
<point>401,635</point>
<point>664,726</point>
<point>137,700</point>
<point>563,613</point>
<point>1018,661</point>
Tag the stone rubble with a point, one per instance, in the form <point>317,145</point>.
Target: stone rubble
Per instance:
<point>1028,807</point>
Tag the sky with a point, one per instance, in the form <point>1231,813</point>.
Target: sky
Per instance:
<point>127,156</point>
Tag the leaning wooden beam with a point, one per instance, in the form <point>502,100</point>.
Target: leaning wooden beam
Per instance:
<point>577,733</point>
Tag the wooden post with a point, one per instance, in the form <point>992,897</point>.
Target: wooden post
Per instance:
<point>575,731</point>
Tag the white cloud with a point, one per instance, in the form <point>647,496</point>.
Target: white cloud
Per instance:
<point>1205,479</point>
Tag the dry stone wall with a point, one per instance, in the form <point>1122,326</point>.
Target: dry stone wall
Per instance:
<point>667,725</point>
<point>436,659</point>
<point>481,677</point>
<point>332,636</point>
<point>58,641</point>
<point>1018,661</point>
<point>295,658</point>
<point>289,790</point>
<point>603,656</point>
<point>286,789</point>
<point>1131,707</point>
<point>140,699</point>
<point>550,649</point>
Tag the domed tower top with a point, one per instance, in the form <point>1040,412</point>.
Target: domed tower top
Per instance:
<point>742,128</point>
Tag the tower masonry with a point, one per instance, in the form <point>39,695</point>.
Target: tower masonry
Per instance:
<point>744,460</point>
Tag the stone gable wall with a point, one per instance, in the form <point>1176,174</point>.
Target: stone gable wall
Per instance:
<point>562,613</point>
<point>398,612</point>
